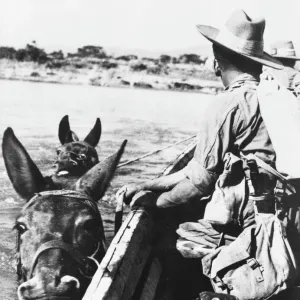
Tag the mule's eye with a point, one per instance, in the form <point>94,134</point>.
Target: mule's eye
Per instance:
<point>21,227</point>
<point>82,156</point>
<point>58,151</point>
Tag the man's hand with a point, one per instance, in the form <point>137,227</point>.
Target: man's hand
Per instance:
<point>130,190</point>
<point>145,199</point>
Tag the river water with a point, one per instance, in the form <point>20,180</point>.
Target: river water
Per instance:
<point>149,120</point>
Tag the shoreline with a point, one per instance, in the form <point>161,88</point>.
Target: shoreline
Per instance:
<point>122,77</point>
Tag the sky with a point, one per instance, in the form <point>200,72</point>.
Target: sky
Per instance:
<point>153,25</point>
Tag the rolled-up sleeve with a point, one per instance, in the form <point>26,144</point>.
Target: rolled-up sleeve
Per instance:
<point>215,139</point>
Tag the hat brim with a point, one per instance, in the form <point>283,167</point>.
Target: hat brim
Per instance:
<point>287,57</point>
<point>266,59</point>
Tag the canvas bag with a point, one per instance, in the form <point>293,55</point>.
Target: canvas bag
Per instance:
<point>257,265</point>
<point>230,195</point>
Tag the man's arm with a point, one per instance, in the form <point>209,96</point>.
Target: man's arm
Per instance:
<point>184,192</point>
<point>197,180</point>
<point>164,183</point>
<point>159,185</point>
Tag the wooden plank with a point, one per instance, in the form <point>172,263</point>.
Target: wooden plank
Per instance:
<point>131,233</point>
<point>136,271</point>
<point>149,289</point>
<point>135,252</point>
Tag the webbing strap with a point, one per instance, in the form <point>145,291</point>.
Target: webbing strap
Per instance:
<point>271,170</point>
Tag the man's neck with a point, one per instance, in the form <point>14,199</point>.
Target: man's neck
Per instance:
<point>231,75</point>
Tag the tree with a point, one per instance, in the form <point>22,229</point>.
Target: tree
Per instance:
<point>91,51</point>
<point>21,55</point>
<point>7,52</point>
<point>190,59</point>
<point>57,55</point>
<point>165,59</point>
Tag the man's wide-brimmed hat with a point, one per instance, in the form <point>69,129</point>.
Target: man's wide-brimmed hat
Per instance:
<point>283,49</point>
<point>242,35</point>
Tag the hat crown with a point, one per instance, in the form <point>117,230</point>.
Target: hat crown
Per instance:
<point>244,27</point>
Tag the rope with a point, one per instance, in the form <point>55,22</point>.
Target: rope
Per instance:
<point>154,152</point>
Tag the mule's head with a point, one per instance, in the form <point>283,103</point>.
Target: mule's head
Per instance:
<point>60,236</point>
<point>75,157</point>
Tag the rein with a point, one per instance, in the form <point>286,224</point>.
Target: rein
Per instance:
<point>83,260</point>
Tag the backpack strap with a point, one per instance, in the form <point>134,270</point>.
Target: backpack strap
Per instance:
<point>288,188</point>
<point>282,188</point>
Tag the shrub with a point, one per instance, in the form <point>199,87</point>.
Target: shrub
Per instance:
<point>59,55</point>
<point>108,65</point>
<point>31,53</point>
<point>156,70</point>
<point>21,54</point>
<point>127,57</point>
<point>190,59</point>
<point>35,74</point>
<point>165,59</point>
<point>36,54</point>
<point>138,67</point>
<point>142,85</point>
<point>7,52</point>
<point>91,51</point>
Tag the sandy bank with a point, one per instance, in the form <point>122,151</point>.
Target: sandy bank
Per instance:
<point>173,77</point>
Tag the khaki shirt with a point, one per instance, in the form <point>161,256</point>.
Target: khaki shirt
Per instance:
<point>233,123</point>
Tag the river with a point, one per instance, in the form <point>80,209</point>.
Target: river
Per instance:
<point>149,120</point>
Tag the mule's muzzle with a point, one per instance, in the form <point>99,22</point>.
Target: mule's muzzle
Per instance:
<point>64,288</point>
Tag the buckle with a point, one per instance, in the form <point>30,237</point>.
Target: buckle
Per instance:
<point>257,269</point>
<point>253,263</point>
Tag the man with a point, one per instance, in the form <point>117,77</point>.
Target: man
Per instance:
<point>284,51</point>
<point>233,123</point>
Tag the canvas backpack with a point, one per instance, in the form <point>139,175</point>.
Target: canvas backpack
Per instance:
<point>259,263</point>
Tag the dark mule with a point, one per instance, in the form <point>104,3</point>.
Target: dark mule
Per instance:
<point>75,157</point>
<point>60,236</point>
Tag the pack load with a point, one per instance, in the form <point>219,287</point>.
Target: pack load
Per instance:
<point>281,114</point>
<point>257,262</point>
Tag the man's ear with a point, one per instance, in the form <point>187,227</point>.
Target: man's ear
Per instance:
<point>22,171</point>
<point>63,129</point>
<point>95,181</point>
<point>217,68</point>
<point>94,136</point>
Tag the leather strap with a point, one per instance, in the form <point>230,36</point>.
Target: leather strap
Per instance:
<point>56,244</point>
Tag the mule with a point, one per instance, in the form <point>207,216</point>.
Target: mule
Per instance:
<point>75,156</point>
<point>60,235</point>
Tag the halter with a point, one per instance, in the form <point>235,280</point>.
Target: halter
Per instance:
<point>83,260</point>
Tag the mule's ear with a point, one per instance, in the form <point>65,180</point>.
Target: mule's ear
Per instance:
<point>71,137</point>
<point>22,171</point>
<point>94,136</point>
<point>95,181</point>
<point>63,129</point>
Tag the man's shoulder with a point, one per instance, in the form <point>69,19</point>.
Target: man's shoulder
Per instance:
<point>235,94</point>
